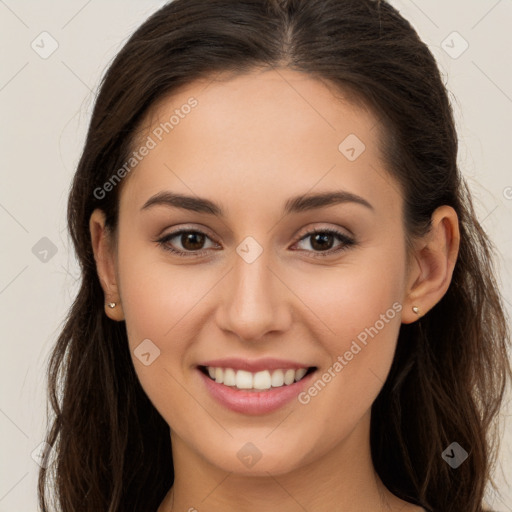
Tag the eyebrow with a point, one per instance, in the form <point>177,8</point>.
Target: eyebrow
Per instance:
<point>295,204</point>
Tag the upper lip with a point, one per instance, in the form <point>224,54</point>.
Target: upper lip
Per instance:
<point>255,365</point>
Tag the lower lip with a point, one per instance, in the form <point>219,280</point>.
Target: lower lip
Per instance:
<point>255,402</point>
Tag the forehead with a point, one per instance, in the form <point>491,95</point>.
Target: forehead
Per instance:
<point>267,131</point>
<point>264,102</point>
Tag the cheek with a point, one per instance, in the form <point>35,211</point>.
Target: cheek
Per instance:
<point>157,296</point>
<point>360,307</point>
<point>158,304</point>
<point>355,297</point>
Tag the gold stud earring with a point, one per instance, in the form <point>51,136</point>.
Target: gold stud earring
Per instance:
<point>111,304</point>
<point>416,309</point>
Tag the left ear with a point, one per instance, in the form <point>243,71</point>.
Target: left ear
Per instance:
<point>432,265</point>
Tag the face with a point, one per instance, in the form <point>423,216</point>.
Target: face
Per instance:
<point>263,278</point>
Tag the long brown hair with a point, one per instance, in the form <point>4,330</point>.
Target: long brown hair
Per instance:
<point>450,370</point>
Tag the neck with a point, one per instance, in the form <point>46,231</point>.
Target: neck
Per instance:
<point>343,478</point>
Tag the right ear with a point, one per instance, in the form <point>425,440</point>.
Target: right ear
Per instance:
<point>104,254</point>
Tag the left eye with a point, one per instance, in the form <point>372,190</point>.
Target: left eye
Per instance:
<point>320,238</point>
<point>192,242</point>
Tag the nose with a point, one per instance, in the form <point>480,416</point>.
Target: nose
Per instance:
<point>255,300</point>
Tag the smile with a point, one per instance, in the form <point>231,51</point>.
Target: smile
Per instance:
<point>256,392</point>
<point>262,380</point>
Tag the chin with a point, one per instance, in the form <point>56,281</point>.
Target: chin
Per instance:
<point>247,459</point>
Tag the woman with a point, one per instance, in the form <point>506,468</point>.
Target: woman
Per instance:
<point>287,302</point>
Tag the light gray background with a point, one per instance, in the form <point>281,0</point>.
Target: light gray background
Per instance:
<point>46,104</point>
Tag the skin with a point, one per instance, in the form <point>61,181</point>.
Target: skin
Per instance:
<point>252,142</point>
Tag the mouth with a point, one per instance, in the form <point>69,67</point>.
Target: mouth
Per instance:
<point>264,380</point>
<point>254,386</point>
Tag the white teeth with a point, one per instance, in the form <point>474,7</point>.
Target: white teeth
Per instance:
<point>243,379</point>
<point>229,377</point>
<point>300,373</point>
<point>265,379</point>
<point>277,378</point>
<point>261,380</point>
<point>289,377</point>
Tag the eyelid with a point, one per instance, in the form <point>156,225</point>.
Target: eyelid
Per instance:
<point>322,229</point>
<point>184,228</point>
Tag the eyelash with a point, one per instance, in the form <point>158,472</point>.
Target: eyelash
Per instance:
<point>347,242</point>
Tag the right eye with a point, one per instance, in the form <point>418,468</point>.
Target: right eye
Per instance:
<point>190,240</point>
